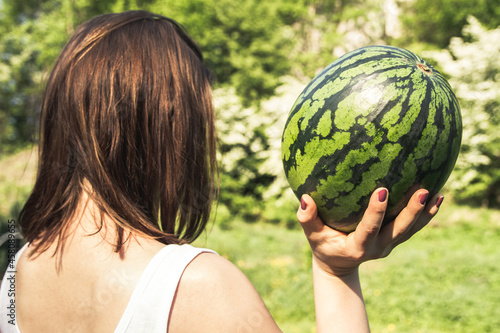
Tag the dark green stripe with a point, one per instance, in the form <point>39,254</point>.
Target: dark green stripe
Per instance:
<point>351,115</point>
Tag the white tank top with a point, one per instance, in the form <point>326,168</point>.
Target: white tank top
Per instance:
<point>149,306</point>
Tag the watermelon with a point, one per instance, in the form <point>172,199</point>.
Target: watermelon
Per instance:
<point>379,116</point>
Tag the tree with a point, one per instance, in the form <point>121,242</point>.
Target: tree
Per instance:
<point>436,21</point>
<point>252,182</point>
<point>32,33</point>
<point>473,64</point>
<point>243,41</point>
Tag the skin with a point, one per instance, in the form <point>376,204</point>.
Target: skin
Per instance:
<point>91,292</point>
<point>337,256</point>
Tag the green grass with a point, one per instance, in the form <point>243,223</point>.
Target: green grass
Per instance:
<point>17,175</point>
<point>445,279</point>
<point>277,260</point>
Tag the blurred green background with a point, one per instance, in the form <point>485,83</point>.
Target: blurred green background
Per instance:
<point>263,53</point>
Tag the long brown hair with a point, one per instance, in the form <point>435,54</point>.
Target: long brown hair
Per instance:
<point>127,110</point>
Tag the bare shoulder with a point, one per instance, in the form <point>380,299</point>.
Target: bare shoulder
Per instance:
<point>215,296</point>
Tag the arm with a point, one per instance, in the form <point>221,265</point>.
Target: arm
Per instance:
<point>339,302</point>
<point>215,296</point>
<point>337,256</point>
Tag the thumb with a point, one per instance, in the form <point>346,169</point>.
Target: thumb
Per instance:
<point>308,216</point>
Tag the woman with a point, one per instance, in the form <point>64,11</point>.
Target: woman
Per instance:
<point>126,181</point>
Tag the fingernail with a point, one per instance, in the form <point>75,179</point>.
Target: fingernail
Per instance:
<point>382,195</point>
<point>303,204</point>
<point>439,202</point>
<point>423,198</point>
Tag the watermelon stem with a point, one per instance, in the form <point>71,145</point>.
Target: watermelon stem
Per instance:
<point>424,68</point>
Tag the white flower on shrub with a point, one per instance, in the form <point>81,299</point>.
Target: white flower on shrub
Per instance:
<point>473,67</point>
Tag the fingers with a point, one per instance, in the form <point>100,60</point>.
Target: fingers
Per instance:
<point>338,252</point>
<point>369,226</point>
<point>417,213</point>
<point>308,216</point>
<point>408,216</point>
<point>431,209</point>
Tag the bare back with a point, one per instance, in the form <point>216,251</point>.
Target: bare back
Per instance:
<point>93,288</point>
<point>89,293</point>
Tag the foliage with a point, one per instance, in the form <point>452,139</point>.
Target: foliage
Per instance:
<point>328,29</point>
<point>32,33</point>
<point>252,185</point>
<point>250,45</point>
<point>436,21</point>
<point>473,65</point>
<point>242,40</point>
<point>19,74</point>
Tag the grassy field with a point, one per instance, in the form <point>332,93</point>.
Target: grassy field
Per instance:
<point>446,279</point>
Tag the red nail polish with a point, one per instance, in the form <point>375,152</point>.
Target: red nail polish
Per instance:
<point>382,195</point>
<point>439,202</point>
<point>423,198</point>
<point>303,204</point>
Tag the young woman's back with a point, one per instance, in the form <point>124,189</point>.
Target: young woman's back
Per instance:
<point>126,180</point>
<point>93,291</point>
<point>90,292</point>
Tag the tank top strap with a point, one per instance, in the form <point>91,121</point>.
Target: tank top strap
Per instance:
<point>149,307</point>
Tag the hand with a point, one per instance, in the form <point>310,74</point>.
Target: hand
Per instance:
<point>340,254</point>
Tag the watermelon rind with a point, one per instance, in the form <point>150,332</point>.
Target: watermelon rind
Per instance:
<point>379,116</point>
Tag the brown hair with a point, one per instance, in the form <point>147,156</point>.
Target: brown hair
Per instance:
<point>127,109</point>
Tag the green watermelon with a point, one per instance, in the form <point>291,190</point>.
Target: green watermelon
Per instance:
<point>377,116</point>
